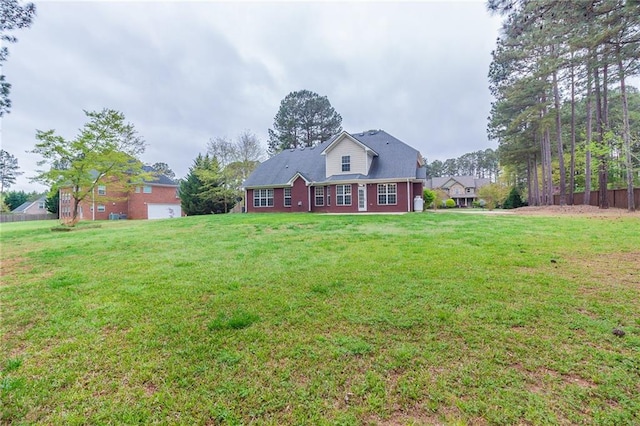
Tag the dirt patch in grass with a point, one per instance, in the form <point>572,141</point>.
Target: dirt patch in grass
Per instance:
<point>611,271</point>
<point>419,416</point>
<point>13,266</point>
<point>150,389</point>
<point>580,210</point>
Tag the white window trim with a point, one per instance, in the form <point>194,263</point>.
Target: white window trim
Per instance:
<point>102,190</point>
<point>319,194</point>
<point>102,208</point>
<point>145,191</point>
<point>345,193</point>
<point>346,163</point>
<point>387,193</point>
<point>263,194</point>
<point>286,197</point>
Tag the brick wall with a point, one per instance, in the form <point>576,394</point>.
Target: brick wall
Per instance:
<point>159,195</point>
<point>133,205</point>
<point>300,199</point>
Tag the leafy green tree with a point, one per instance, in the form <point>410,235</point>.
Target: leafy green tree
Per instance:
<point>13,199</point>
<point>429,197</point>
<point>304,119</point>
<point>8,170</point>
<point>493,195</point>
<point>441,196</point>
<point>3,206</point>
<point>105,150</point>
<point>216,189</point>
<point>13,16</point>
<point>237,158</point>
<point>450,167</point>
<point>514,199</point>
<point>52,202</point>
<point>203,191</point>
<point>434,169</point>
<point>164,169</point>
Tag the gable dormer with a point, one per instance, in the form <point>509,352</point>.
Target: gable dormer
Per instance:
<point>347,156</point>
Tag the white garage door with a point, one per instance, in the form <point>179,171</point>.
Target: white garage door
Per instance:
<point>163,211</point>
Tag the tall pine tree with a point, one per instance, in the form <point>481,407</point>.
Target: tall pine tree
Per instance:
<point>304,119</point>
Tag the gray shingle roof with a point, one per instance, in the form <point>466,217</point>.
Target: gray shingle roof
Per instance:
<point>395,160</point>
<point>24,206</point>
<point>466,181</point>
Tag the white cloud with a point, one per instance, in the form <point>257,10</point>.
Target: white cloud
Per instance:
<point>186,72</point>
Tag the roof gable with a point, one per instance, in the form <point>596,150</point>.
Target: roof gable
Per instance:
<point>301,176</point>
<point>448,181</point>
<point>341,137</point>
<point>27,204</point>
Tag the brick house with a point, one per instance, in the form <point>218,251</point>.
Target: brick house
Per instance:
<point>32,207</point>
<point>156,199</point>
<point>462,189</point>
<point>361,172</point>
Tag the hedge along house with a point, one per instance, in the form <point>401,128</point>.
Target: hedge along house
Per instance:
<point>361,172</point>
<point>154,199</point>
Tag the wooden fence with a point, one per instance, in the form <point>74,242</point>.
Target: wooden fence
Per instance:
<point>617,198</point>
<point>21,217</point>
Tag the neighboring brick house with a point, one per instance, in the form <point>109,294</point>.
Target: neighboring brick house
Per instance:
<point>462,189</point>
<point>156,199</point>
<point>32,207</point>
<point>361,172</point>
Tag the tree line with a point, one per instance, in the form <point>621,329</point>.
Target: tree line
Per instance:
<point>479,164</point>
<point>562,113</point>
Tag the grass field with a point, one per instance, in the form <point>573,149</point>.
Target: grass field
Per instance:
<point>315,319</point>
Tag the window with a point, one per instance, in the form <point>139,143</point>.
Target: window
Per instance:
<point>328,195</point>
<point>319,195</point>
<point>287,197</point>
<point>138,189</point>
<point>346,163</point>
<point>177,192</point>
<point>343,195</point>
<point>146,189</point>
<point>102,190</point>
<point>41,205</point>
<point>387,193</point>
<point>263,198</point>
<point>469,190</point>
<point>101,208</point>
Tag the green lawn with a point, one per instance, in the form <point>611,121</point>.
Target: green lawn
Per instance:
<point>315,319</point>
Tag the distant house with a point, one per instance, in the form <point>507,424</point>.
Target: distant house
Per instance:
<point>359,172</point>
<point>462,189</point>
<point>32,207</point>
<point>154,199</point>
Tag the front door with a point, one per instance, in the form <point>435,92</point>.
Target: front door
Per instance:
<point>362,198</point>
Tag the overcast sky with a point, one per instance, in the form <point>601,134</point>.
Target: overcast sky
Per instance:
<point>183,73</point>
